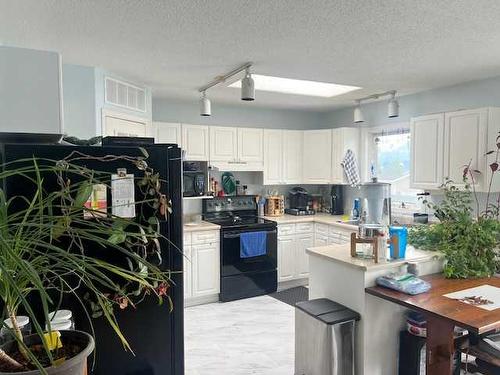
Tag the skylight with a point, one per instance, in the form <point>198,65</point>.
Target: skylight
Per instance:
<point>297,86</point>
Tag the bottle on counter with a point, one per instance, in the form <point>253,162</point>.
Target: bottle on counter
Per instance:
<point>245,189</point>
<point>238,190</point>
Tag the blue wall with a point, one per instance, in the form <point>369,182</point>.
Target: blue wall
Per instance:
<point>79,100</point>
<point>168,110</point>
<point>467,95</point>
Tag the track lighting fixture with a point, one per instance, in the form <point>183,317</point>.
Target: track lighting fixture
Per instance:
<point>247,86</point>
<point>392,105</point>
<point>358,114</point>
<point>205,105</point>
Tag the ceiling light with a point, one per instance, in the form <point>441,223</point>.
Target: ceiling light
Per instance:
<point>247,87</point>
<point>296,86</point>
<point>393,106</point>
<point>358,114</point>
<point>205,105</point>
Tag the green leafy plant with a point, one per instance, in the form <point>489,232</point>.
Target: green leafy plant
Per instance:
<point>469,241</point>
<point>48,249</point>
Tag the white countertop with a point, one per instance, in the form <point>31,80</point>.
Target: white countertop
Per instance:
<point>342,254</point>
<point>200,226</point>
<point>318,218</point>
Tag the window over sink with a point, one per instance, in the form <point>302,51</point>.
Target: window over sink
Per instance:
<point>389,161</point>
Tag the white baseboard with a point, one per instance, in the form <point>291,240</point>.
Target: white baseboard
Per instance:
<point>195,301</point>
<point>292,284</point>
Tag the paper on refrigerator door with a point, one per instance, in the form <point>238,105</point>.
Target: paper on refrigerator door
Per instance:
<point>123,195</point>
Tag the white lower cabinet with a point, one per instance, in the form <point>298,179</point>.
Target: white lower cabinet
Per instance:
<point>201,266</point>
<point>286,258</point>
<point>205,269</point>
<point>293,240</point>
<point>303,241</point>
<point>187,274</point>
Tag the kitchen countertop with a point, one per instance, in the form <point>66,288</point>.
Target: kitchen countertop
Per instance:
<point>342,254</point>
<point>318,218</point>
<point>200,226</point>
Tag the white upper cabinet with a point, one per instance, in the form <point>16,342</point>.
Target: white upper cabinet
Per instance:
<point>343,139</point>
<point>166,132</point>
<point>273,157</point>
<point>250,145</point>
<point>427,138</point>
<point>317,156</point>
<point>443,144</point>
<point>195,142</point>
<point>292,156</point>
<point>223,144</point>
<point>237,149</point>
<point>465,141</point>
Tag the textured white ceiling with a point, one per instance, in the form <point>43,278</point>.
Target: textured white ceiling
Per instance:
<point>177,46</point>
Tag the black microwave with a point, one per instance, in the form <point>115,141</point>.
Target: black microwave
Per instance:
<point>194,178</point>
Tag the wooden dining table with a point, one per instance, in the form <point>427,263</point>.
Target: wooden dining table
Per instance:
<point>443,314</point>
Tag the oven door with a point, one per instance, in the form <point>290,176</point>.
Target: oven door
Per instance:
<point>233,264</point>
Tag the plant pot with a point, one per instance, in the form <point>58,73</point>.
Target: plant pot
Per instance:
<point>72,366</point>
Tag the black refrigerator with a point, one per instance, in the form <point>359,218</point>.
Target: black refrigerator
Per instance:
<point>154,332</point>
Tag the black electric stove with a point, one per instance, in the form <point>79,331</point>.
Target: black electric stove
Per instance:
<point>243,277</point>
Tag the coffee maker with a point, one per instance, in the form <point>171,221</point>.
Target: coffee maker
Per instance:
<point>300,202</point>
<point>337,200</point>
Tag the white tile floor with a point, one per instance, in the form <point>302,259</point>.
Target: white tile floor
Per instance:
<point>250,336</point>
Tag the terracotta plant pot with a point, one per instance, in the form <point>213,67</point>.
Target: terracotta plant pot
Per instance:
<point>72,366</point>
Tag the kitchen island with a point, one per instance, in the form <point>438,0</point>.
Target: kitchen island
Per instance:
<point>334,274</point>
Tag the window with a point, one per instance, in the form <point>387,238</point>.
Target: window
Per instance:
<point>391,163</point>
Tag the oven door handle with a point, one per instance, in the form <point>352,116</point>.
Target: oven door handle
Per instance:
<point>235,235</point>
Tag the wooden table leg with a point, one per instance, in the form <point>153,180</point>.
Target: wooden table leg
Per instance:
<point>440,346</point>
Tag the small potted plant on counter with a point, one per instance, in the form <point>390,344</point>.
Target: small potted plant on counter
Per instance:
<point>52,244</point>
<point>468,232</point>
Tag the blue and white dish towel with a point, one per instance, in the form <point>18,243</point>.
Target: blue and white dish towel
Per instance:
<point>253,244</point>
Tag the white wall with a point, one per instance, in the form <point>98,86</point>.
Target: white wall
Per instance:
<point>30,91</point>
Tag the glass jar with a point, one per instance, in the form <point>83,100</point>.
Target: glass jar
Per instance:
<point>61,320</point>
<point>24,324</point>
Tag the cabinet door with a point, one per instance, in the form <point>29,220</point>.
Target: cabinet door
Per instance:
<point>195,142</point>
<point>222,144</point>
<point>273,157</point>
<point>427,136</point>
<point>188,275</point>
<point>465,141</point>
<point>166,132</point>
<point>250,145</point>
<point>317,156</point>
<point>115,125</point>
<point>292,156</point>
<point>302,262</point>
<point>205,269</point>
<point>343,139</point>
<point>286,258</point>
<point>320,240</point>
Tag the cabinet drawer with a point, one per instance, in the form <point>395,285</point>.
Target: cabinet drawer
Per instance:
<point>187,239</point>
<point>321,229</point>
<point>285,229</point>
<point>304,227</point>
<point>334,231</point>
<point>205,237</point>
<point>320,240</point>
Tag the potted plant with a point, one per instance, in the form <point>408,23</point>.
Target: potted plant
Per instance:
<point>468,233</point>
<point>45,254</point>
